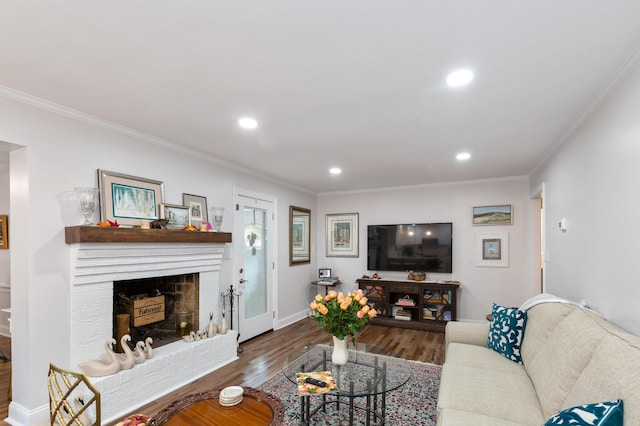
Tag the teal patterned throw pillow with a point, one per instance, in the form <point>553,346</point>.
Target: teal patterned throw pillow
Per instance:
<point>506,331</point>
<point>600,414</point>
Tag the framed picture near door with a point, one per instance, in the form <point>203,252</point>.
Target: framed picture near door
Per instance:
<point>299,235</point>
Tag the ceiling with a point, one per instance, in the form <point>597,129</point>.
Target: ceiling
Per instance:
<point>355,84</point>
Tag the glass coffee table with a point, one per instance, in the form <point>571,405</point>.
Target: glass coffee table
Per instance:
<point>363,383</point>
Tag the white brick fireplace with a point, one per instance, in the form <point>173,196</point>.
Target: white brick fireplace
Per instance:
<point>94,268</point>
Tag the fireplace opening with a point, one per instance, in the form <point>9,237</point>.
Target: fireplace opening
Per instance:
<point>163,308</point>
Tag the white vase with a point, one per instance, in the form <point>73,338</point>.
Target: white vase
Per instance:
<point>340,354</point>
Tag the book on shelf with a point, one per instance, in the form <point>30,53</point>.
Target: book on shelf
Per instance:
<point>401,314</point>
<point>402,317</point>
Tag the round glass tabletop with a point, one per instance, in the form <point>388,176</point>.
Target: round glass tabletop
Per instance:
<point>370,370</point>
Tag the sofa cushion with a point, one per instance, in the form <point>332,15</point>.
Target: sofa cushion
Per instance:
<point>613,372</point>
<point>598,414</point>
<point>506,331</point>
<point>561,359</point>
<point>541,320</point>
<point>454,417</point>
<point>479,356</point>
<point>488,392</point>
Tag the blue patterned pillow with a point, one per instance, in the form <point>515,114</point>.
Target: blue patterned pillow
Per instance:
<point>507,331</point>
<point>601,414</point>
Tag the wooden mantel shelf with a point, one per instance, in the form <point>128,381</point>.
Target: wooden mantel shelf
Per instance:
<point>98,234</point>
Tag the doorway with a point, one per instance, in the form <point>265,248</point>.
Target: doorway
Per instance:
<point>255,242</point>
<point>538,250</point>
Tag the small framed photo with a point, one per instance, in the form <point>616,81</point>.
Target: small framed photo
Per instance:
<point>197,208</point>
<point>493,215</point>
<point>324,273</point>
<point>492,250</point>
<point>4,235</point>
<point>342,235</point>
<point>178,216</point>
<point>129,199</point>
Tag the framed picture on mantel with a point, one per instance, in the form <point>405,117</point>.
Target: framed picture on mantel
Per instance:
<point>129,199</point>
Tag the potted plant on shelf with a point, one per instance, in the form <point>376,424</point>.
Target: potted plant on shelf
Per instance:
<point>342,316</point>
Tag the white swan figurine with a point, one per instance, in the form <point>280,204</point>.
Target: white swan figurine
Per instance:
<point>127,360</point>
<point>138,353</point>
<point>191,337</point>
<point>103,367</point>
<point>148,350</point>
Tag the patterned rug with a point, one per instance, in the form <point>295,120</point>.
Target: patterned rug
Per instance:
<point>412,404</point>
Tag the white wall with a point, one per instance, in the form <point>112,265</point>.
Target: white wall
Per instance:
<point>592,181</point>
<point>61,153</point>
<point>481,286</point>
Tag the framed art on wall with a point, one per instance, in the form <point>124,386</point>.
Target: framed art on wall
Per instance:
<point>129,199</point>
<point>342,235</point>
<point>197,207</point>
<point>493,215</point>
<point>299,235</point>
<point>492,250</point>
<point>4,236</point>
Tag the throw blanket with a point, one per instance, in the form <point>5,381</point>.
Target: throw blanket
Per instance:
<point>547,297</point>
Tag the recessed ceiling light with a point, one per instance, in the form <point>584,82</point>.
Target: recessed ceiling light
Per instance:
<point>335,170</point>
<point>459,78</point>
<point>463,156</point>
<point>247,123</point>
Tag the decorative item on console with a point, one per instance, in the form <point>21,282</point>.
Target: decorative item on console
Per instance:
<point>417,276</point>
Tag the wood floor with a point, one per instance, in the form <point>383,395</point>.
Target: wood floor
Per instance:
<point>263,356</point>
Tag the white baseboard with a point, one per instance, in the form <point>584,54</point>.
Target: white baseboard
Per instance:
<point>20,416</point>
<point>291,319</point>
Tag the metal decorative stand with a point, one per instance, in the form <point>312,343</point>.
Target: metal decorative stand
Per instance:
<point>231,293</point>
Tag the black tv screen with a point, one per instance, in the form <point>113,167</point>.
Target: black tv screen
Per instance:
<point>420,247</point>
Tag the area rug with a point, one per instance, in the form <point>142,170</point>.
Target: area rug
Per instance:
<point>412,404</point>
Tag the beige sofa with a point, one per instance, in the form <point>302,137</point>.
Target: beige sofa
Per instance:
<point>570,355</point>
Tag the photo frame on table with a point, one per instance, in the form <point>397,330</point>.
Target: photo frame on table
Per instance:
<point>324,273</point>
<point>342,235</point>
<point>197,208</point>
<point>129,199</point>
<point>299,235</point>
<point>493,215</point>
<point>492,250</point>
<point>4,233</point>
<point>177,215</point>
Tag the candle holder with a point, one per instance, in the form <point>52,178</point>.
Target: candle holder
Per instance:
<point>88,199</point>
<point>217,214</point>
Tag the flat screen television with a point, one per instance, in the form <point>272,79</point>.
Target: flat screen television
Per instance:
<point>420,247</point>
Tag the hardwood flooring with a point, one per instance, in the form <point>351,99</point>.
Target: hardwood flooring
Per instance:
<point>263,356</point>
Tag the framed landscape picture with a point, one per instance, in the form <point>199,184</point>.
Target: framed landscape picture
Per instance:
<point>493,215</point>
<point>129,199</point>
<point>342,235</point>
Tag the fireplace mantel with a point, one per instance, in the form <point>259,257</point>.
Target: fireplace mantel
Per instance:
<point>99,234</point>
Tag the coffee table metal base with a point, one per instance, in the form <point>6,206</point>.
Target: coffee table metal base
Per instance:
<point>375,400</point>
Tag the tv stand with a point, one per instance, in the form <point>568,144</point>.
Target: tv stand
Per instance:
<point>423,305</point>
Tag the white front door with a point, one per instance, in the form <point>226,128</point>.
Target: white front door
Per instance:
<point>254,221</point>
